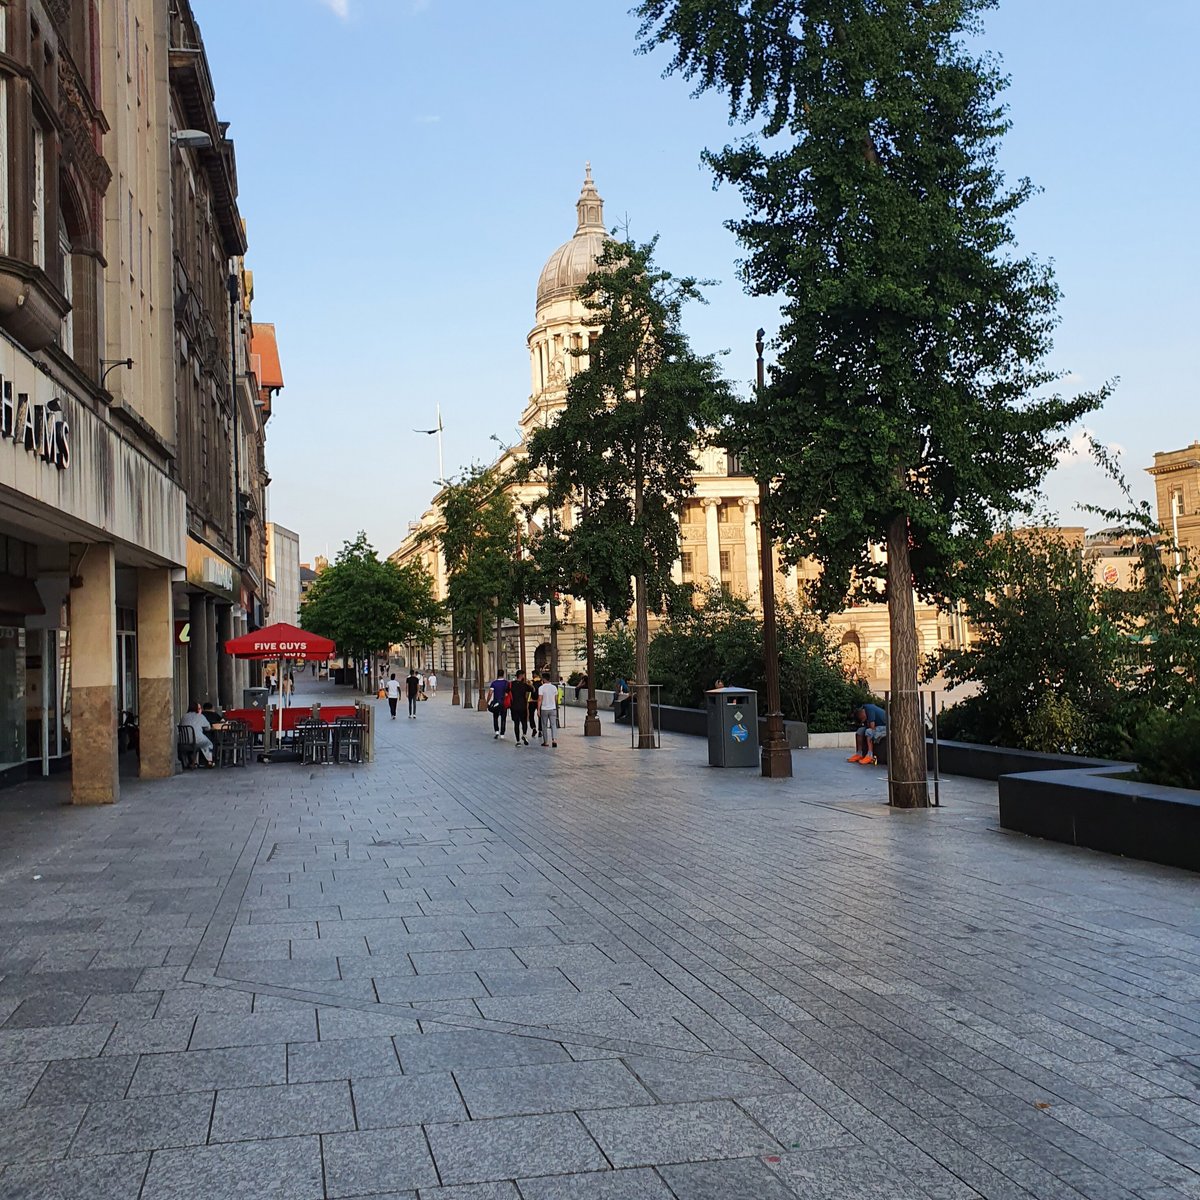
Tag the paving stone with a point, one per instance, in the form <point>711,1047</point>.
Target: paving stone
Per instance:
<point>214,1030</point>
<point>17,1082</point>
<point>470,1191</point>
<point>436,961</point>
<point>673,1082</point>
<point>280,1169</point>
<point>337,1024</point>
<point>49,1042</point>
<point>796,1122</point>
<point>246,1114</point>
<point>508,1147</point>
<point>53,1008</point>
<point>726,1179</point>
<point>121,1006</point>
<point>85,1080</point>
<point>149,1123</point>
<point>558,1087</point>
<point>852,1173</point>
<point>343,1058</point>
<point>406,1100</point>
<point>462,1049</point>
<point>673,1133</point>
<point>637,1184</point>
<point>446,985</point>
<point>44,1131</point>
<point>361,1164</point>
<point>526,981</point>
<point>138,1036</point>
<point>207,1070</point>
<point>111,1177</point>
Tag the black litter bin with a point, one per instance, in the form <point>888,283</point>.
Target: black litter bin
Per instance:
<point>732,727</point>
<point>255,697</point>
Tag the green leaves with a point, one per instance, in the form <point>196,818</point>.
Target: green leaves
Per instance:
<point>366,605</point>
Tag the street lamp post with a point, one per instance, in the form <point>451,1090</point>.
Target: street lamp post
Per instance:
<point>776,754</point>
<point>591,723</point>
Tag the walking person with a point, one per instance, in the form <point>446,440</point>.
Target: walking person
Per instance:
<point>392,690</point>
<point>548,711</point>
<point>431,684</point>
<point>534,724</point>
<point>412,687</point>
<point>498,706</point>
<point>520,692</point>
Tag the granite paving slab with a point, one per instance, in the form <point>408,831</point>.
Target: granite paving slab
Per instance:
<point>737,985</point>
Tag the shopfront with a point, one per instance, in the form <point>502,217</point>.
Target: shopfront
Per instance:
<point>91,529</point>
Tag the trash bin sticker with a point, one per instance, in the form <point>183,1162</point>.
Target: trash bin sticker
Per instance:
<point>739,733</point>
<point>737,715</point>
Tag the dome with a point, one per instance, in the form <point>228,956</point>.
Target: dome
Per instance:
<point>575,260</point>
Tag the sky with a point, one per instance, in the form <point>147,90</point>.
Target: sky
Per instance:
<point>406,167</point>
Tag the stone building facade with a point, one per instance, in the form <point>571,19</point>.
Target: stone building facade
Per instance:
<point>114,342</point>
<point>718,527</point>
<point>1176,475</point>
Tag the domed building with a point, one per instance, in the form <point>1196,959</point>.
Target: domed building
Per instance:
<point>718,530</point>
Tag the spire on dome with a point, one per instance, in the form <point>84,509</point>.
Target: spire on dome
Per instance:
<point>589,206</point>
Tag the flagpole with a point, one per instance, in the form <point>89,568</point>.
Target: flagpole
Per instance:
<point>441,469</point>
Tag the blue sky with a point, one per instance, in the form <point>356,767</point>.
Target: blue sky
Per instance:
<point>407,166</point>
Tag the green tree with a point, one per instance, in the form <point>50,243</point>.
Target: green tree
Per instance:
<point>907,405</point>
<point>625,443</point>
<point>366,604</point>
<point>478,540</point>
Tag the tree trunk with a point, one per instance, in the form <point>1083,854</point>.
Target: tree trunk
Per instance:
<point>906,731</point>
<point>499,643</point>
<point>468,699</point>
<point>454,696</point>
<point>641,644</point>
<point>482,705</point>
<point>591,723</point>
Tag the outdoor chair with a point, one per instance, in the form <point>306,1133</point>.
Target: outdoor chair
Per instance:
<point>232,744</point>
<point>348,740</point>
<point>315,741</point>
<point>185,746</point>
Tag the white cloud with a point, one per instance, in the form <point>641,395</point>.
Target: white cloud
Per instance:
<point>1078,449</point>
<point>339,8</point>
<point>428,119</point>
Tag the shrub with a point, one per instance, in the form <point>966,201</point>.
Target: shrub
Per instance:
<point>1164,746</point>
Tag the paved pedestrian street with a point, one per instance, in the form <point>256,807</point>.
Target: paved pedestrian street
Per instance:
<point>474,972</point>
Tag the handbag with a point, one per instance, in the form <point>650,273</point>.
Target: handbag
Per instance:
<point>508,699</point>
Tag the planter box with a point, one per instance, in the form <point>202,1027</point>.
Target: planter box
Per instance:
<point>1119,816</point>
<point>977,761</point>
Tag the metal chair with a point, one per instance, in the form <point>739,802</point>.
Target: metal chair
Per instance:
<point>232,744</point>
<point>348,733</point>
<point>315,741</point>
<point>185,746</point>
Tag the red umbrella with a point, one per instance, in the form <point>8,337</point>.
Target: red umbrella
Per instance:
<point>280,640</point>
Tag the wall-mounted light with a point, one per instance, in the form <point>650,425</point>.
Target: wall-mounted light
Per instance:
<point>193,139</point>
<point>111,364</point>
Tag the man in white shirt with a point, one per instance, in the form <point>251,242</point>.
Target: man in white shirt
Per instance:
<point>432,684</point>
<point>198,723</point>
<point>548,711</point>
<point>392,691</point>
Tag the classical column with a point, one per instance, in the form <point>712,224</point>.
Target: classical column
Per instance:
<point>752,580</point>
<point>225,680</point>
<point>198,684</point>
<point>793,583</point>
<point>94,679</point>
<point>712,533</point>
<point>156,661</point>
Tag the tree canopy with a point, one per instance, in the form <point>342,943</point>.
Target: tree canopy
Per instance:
<point>366,604</point>
<point>624,446</point>
<point>908,406</point>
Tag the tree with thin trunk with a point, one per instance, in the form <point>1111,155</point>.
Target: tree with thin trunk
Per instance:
<point>637,413</point>
<point>908,407</point>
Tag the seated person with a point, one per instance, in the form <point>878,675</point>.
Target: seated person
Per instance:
<point>872,721</point>
<point>195,720</point>
<point>211,713</point>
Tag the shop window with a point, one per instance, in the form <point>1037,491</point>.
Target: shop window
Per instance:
<point>12,695</point>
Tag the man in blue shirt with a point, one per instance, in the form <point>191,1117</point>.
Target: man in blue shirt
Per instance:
<point>872,724</point>
<point>498,709</point>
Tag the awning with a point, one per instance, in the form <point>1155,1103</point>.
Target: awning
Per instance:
<point>280,640</point>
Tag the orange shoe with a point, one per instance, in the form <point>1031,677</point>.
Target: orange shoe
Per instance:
<point>867,761</point>
<point>855,758</point>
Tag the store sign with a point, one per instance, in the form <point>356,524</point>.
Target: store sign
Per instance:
<point>41,429</point>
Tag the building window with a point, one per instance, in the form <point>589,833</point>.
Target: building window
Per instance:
<point>685,561</point>
<point>733,464</point>
<point>39,197</point>
<point>726,562</point>
<point>66,337</point>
